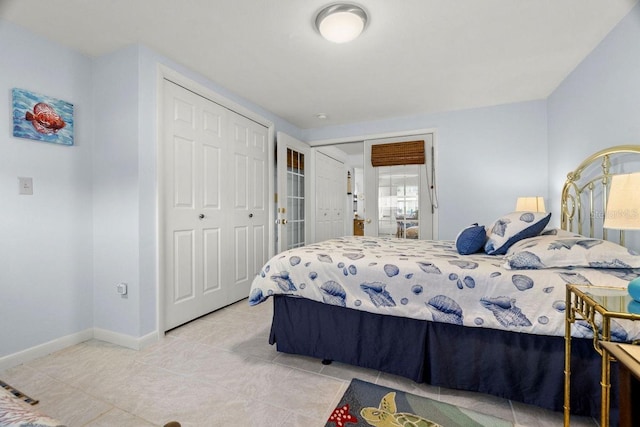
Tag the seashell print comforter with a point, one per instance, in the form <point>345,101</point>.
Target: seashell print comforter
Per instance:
<point>429,280</point>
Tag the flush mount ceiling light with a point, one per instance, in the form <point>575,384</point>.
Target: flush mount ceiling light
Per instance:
<point>341,22</point>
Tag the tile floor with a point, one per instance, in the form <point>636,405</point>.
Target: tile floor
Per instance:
<point>217,371</point>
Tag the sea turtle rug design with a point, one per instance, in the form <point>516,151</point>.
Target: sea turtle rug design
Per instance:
<point>385,415</point>
<point>365,404</point>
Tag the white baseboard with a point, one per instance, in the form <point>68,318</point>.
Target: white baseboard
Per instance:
<point>24,356</point>
<point>125,340</point>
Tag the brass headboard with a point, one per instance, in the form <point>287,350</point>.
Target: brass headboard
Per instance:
<point>584,195</point>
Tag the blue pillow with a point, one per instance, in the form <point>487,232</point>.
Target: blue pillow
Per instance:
<point>514,227</point>
<point>471,239</point>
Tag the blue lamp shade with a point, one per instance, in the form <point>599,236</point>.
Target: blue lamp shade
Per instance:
<point>634,289</point>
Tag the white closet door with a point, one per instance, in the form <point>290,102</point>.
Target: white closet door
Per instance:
<point>194,143</point>
<point>249,203</point>
<point>214,177</point>
<point>331,191</point>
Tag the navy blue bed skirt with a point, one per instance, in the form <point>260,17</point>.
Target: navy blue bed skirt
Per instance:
<point>522,367</point>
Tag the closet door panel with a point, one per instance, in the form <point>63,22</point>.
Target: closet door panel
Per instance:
<point>241,244</point>
<point>184,266</point>
<point>212,253</point>
<point>241,181</point>
<point>183,166</point>
<point>212,159</point>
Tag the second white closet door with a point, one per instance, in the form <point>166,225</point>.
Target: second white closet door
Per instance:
<point>330,197</point>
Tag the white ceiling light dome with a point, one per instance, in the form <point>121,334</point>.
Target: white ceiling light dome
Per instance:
<point>341,22</point>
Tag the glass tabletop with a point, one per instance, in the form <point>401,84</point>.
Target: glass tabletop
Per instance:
<point>610,298</point>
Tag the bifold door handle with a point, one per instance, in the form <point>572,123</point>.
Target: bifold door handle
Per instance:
<point>250,215</point>
<point>201,216</point>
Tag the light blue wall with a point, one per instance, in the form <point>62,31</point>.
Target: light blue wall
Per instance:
<point>46,282</point>
<point>597,105</point>
<point>486,158</point>
<point>116,192</point>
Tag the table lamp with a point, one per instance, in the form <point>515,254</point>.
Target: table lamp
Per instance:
<point>530,204</point>
<point>623,213</point>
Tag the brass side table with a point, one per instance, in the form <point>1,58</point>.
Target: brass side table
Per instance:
<point>629,380</point>
<point>597,305</point>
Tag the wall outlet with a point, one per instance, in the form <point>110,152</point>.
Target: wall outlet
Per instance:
<point>121,288</point>
<point>25,186</point>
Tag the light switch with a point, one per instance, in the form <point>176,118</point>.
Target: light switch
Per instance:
<point>25,186</point>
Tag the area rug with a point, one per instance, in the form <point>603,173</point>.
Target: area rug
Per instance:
<point>18,394</point>
<point>366,404</point>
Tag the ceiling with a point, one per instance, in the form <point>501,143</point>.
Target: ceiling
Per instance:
<point>416,56</point>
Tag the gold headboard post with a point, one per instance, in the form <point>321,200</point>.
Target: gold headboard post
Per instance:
<point>593,187</point>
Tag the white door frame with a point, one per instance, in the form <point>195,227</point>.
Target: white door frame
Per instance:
<point>167,73</point>
<point>398,134</point>
<point>426,204</point>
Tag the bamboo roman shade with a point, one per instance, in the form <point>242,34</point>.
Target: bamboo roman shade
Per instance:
<point>398,153</point>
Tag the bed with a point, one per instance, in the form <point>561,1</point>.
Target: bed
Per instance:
<point>443,313</point>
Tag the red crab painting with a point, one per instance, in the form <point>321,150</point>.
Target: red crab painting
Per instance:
<point>45,119</point>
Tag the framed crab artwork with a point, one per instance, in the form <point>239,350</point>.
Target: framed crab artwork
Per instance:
<point>42,118</point>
